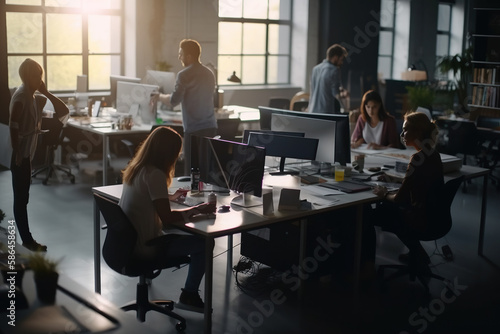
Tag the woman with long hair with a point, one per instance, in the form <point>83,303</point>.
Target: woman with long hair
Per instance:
<point>375,126</point>
<point>146,202</point>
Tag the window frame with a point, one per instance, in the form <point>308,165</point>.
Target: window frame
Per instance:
<point>266,54</point>
<point>393,37</point>
<point>84,54</point>
<point>444,33</point>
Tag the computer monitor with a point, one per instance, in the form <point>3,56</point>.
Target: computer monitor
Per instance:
<point>135,99</point>
<point>285,147</point>
<point>342,129</point>
<point>113,79</point>
<point>235,166</point>
<point>313,128</point>
<point>247,132</point>
<point>165,80</point>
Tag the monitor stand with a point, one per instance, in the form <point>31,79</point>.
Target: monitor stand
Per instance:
<point>282,169</point>
<point>246,200</point>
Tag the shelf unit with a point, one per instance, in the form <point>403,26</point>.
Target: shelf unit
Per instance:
<point>485,84</point>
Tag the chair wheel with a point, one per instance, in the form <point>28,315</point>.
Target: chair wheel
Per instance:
<point>72,180</point>
<point>180,326</point>
<point>44,182</point>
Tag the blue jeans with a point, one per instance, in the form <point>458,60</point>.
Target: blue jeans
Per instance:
<point>194,246</point>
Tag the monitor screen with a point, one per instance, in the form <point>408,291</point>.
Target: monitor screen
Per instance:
<point>342,129</point>
<point>226,164</point>
<point>113,79</point>
<point>313,128</point>
<point>285,147</point>
<point>247,132</point>
<point>165,80</point>
<point>134,99</point>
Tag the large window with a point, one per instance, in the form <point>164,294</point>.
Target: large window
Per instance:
<point>443,37</point>
<point>254,41</point>
<point>68,38</point>
<point>386,40</point>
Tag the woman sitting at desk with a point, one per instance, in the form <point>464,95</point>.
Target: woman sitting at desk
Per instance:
<point>145,201</point>
<point>374,126</point>
<point>408,212</point>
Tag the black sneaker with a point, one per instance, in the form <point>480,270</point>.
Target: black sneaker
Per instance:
<point>35,246</point>
<point>190,301</point>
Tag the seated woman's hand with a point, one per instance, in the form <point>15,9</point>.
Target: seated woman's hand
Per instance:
<point>380,191</point>
<point>375,146</point>
<point>357,143</point>
<point>178,193</point>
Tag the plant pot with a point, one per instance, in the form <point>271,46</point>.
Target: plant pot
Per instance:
<point>46,287</point>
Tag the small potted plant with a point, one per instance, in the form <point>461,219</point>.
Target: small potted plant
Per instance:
<point>46,276</point>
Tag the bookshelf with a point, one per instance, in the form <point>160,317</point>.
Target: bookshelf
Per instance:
<point>485,84</point>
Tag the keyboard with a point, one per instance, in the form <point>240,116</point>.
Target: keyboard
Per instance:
<point>347,186</point>
<point>189,201</point>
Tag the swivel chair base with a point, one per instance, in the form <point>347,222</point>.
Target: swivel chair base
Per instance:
<point>403,270</point>
<point>50,168</point>
<point>144,305</point>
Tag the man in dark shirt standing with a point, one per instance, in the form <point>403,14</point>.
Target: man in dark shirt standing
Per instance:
<point>326,85</point>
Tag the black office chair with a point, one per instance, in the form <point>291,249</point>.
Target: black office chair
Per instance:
<point>301,105</point>
<point>462,138</point>
<point>49,142</point>
<point>118,253</point>
<point>441,225</point>
<point>228,128</point>
<point>279,102</point>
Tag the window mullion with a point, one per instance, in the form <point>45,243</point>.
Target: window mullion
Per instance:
<point>85,44</point>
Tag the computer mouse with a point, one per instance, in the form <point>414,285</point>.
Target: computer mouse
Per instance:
<point>184,178</point>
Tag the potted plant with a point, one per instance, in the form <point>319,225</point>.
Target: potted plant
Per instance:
<point>420,96</point>
<point>45,275</point>
<point>461,66</point>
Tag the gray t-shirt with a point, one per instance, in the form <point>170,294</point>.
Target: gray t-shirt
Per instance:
<point>325,86</point>
<point>194,89</point>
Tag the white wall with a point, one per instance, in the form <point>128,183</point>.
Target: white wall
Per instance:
<point>162,24</point>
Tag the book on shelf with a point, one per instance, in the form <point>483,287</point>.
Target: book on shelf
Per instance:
<point>484,75</point>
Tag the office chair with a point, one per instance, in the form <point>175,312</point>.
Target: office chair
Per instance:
<point>228,128</point>
<point>50,140</point>
<point>300,105</point>
<point>300,96</point>
<point>441,224</point>
<point>118,253</point>
<point>279,102</point>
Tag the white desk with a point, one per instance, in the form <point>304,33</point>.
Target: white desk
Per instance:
<point>245,219</point>
<point>235,221</point>
<point>105,133</point>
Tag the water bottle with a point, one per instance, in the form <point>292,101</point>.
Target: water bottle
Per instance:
<point>195,179</point>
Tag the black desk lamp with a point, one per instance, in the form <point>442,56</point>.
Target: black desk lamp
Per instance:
<point>234,78</point>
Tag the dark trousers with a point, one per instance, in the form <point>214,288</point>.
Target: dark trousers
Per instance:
<point>408,226</point>
<point>21,182</point>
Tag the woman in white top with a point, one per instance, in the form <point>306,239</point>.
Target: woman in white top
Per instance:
<point>375,126</point>
<point>146,202</point>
